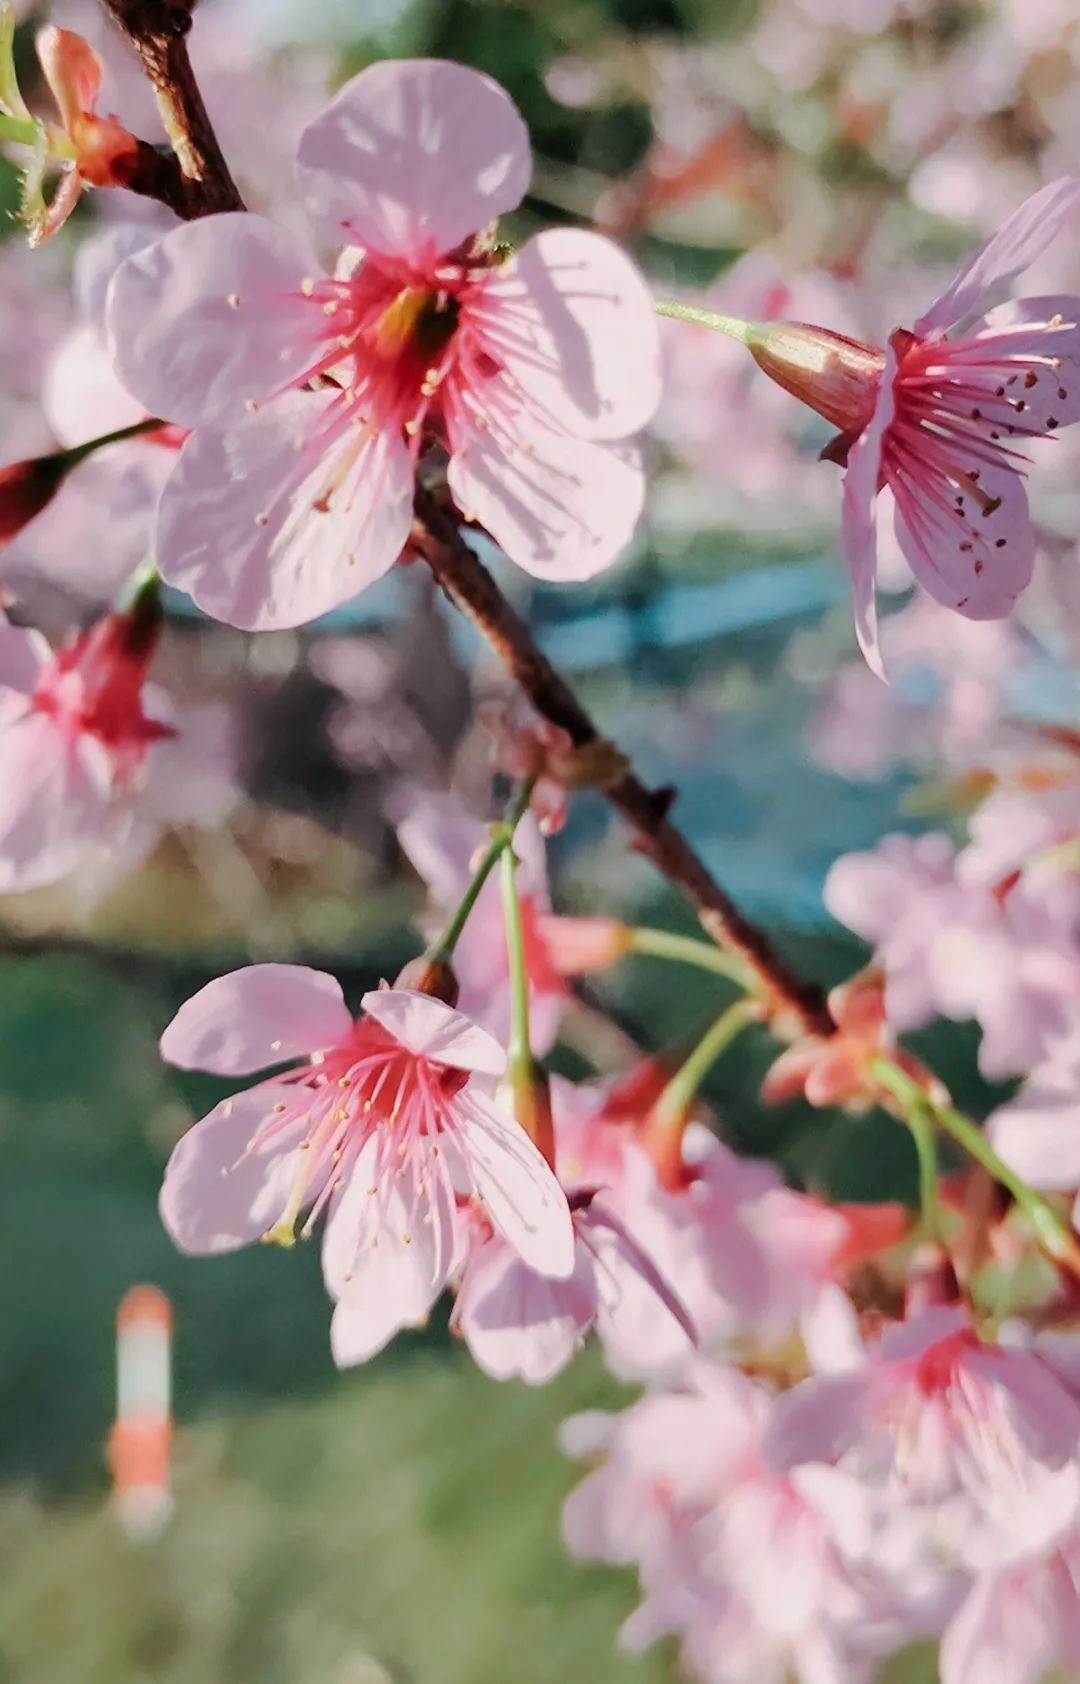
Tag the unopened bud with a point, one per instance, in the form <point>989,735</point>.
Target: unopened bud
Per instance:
<point>836,376</point>
<point>528,1093</point>
<point>576,946</point>
<point>428,975</point>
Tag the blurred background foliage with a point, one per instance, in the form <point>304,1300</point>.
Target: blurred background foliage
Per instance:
<point>401,1523</point>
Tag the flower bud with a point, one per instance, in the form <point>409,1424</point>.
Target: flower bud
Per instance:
<point>836,376</point>
<point>428,975</point>
<point>576,946</point>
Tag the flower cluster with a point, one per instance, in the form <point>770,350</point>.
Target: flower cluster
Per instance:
<point>859,1424</point>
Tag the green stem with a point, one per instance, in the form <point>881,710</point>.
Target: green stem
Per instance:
<point>519,1058</point>
<point>24,130</point>
<point>502,835</point>
<point>678,1096</point>
<point>733,326</point>
<point>664,944</point>
<point>1050,1231</point>
<point>920,1122</point>
<point>78,452</point>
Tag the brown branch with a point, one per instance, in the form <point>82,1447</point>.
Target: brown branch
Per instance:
<point>157,31</point>
<point>471,588</point>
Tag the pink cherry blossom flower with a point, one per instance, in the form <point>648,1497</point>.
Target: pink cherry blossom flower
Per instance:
<point>998,953</point>
<point>75,743</point>
<point>388,1121</point>
<point>980,1440</point>
<point>941,422</point>
<point>313,394</point>
<point>99,526</point>
<point>752,1262</point>
<point>517,1322</point>
<point>683,1491</point>
<point>1018,1624</point>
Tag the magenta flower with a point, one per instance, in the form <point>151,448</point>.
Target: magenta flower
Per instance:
<point>388,1121</point>
<point>942,422</point>
<point>75,743</point>
<point>314,394</point>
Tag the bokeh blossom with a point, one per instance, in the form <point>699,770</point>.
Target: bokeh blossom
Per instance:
<point>942,422</point>
<point>313,395</point>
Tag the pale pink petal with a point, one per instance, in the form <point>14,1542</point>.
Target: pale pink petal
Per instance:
<point>861,482</point>
<point>1038,1135</point>
<point>816,1421</point>
<point>266,532</point>
<point>518,1323</point>
<point>255,1017</point>
<point>54,795</point>
<point>99,257</point>
<point>972,562</point>
<point>382,1260</point>
<point>210,317</point>
<point>411,158</point>
<point>1022,238</point>
<point>561,508</point>
<point>521,1195</point>
<point>389,1293</point>
<point>625,1277</point>
<point>1000,1635</point>
<point>435,1031</point>
<point>24,656</point>
<point>217,1194</point>
<point>571,320</point>
<point>80,394</point>
<point>373,1213</point>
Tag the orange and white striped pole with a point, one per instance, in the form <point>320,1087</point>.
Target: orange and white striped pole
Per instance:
<point>141,1438</point>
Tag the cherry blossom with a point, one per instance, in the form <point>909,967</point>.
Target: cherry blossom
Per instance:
<point>683,1489</point>
<point>76,744</point>
<point>997,952</point>
<point>1018,1623</point>
<point>313,394</point>
<point>517,1322</point>
<point>979,1440</point>
<point>389,1120</point>
<point>942,422</point>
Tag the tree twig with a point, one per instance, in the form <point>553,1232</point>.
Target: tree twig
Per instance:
<point>469,585</point>
<point>157,31</point>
